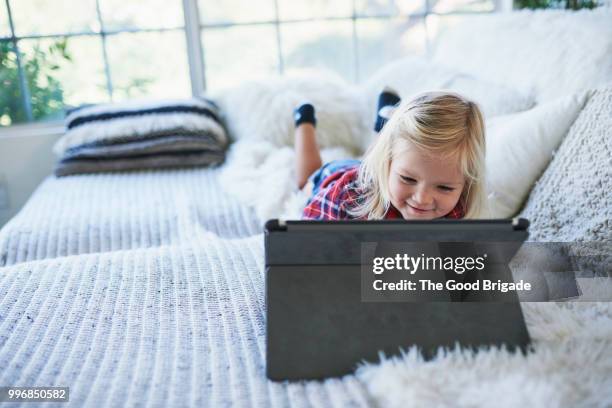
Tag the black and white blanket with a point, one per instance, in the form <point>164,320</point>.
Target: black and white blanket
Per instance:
<point>141,135</point>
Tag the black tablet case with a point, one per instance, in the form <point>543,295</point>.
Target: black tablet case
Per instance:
<point>316,323</point>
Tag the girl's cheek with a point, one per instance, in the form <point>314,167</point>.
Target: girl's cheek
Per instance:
<point>395,189</point>
<point>403,191</point>
<point>453,200</point>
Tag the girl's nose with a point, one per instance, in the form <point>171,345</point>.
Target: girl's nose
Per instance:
<point>422,196</point>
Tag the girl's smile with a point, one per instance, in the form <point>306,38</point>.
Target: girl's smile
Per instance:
<point>418,210</point>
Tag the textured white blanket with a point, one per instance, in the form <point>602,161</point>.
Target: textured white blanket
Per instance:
<point>162,306</point>
<point>148,289</point>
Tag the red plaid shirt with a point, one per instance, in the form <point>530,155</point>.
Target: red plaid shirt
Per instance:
<point>339,192</point>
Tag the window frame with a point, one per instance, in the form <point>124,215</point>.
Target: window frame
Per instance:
<point>193,29</point>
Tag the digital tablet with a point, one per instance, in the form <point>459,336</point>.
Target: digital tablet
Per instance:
<point>325,314</point>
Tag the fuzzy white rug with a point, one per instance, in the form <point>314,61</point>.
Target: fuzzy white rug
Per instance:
<point>263,110</point>
<point>570,366</point>
<point>262,175</point>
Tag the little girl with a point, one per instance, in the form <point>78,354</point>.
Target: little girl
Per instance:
<point>427,162</point>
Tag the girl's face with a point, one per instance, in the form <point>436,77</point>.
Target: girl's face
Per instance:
<point>423,186</point>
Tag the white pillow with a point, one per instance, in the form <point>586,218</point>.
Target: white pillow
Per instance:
<point>412,75</point>
<point>408,76</point>
<point>519,148</point>
<point>549,52</point>
<point>263,109</point>
<point>493,99</point>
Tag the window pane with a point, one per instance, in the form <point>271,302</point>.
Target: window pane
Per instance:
<point>63,71</point>
<point>380,41</point>
<point>308,9</point>
<point>5,28</point>
<point>234,54</point>
<point>121,14</point>
<point>12,109</point>
<point>54,17</point>
<point>148,64</point>
<point>449,6</point>
<point>388,7</point>
<point>321,44</point>
<point>215,11</point>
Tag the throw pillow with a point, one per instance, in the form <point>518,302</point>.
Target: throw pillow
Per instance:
<point>520,146</point>
<point>572,200</point>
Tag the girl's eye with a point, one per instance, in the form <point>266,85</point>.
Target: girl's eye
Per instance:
<point>408,179</point>
<point>445,188</point>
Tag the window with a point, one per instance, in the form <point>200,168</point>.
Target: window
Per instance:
<point>56,53</point>
<point>70,52</point>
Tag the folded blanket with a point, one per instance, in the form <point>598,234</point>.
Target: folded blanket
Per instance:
<point>141,135</point>
<point>165,144</point>
<point>138,162</point>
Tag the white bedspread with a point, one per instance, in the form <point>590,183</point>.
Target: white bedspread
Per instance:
<point>147,289</point>
<point>142,289</point>
<point>109,212</point>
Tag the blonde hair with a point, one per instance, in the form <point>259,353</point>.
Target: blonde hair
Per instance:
<point>439,122</point>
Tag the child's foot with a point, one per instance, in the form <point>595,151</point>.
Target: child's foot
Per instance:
<point>305,113</point>
<point>386,100</point>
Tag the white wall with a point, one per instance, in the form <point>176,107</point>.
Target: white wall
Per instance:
<point>25,160</point>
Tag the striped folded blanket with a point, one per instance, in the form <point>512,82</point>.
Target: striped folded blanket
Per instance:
<point>141,135</point>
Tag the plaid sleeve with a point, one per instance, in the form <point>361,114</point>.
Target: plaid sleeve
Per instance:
<point>331,201</point>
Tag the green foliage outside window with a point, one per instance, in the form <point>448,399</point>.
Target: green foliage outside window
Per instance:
<point>46,94</point>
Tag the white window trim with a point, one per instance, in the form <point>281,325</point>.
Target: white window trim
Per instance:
<point>50,128</point>
<point>195,52</point>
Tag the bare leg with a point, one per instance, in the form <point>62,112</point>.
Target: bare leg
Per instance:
<point>307,156</point>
